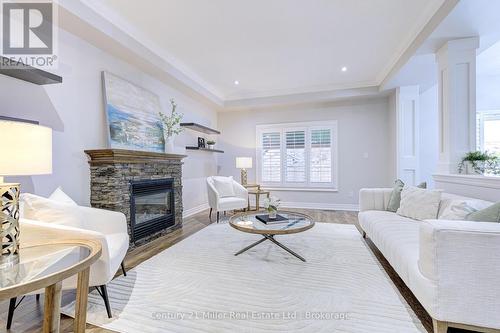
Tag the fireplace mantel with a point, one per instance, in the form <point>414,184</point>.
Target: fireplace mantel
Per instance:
<point>107,156</point>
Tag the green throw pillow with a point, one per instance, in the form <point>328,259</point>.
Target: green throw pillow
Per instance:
<point>489,214</point>
<point>395,198</point>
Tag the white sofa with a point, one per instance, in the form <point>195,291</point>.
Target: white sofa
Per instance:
<point>452,267</point>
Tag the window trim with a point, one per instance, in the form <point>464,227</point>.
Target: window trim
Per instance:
<point>481,116</point>
<point>307,126</point>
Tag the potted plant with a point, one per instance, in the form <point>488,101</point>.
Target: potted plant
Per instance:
<point>478,162</point>
<point>210,144</point>
<point>271,205</point>
<point>171,126</point>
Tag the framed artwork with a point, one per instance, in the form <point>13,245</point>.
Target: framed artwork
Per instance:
<point>201,142</point>
<point>132,115</point>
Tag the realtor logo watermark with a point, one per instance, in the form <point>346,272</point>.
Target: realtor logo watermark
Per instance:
<point>29,34</point>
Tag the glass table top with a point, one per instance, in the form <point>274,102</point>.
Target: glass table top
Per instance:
<point>248,222</point>
<point>36,262</point>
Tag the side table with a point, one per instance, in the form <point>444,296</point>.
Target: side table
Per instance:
<point>257,192</point>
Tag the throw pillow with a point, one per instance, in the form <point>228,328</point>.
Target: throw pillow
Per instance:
<point>50,211</point>
<point>419,204</point>
<point>395,198</point>
<point>224,186</point>
<point>59,196</point>
<point>490,214</point>
<point>459,209</point>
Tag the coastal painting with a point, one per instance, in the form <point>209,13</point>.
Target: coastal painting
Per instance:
<point>132,115</point>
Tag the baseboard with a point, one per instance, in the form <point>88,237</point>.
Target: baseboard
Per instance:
<point>322,206</point>
<point>195,210</point>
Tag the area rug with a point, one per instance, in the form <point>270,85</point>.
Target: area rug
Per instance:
<point>198,285</point>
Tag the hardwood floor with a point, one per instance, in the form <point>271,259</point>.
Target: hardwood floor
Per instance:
<point>29,315</point>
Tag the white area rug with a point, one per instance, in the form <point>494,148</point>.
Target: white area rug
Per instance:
<point>198,285</point>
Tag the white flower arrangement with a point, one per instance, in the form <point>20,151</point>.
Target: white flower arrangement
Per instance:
<point>171,124</point>
<point>271,204</point>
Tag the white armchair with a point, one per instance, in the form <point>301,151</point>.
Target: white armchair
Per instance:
<point>224,203</point>
<point>50,220</point>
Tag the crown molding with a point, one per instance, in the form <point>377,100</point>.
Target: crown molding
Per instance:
<point>102,28</point>
<point>98,24</point>
<point>305,98</point>
<point>415,40</point>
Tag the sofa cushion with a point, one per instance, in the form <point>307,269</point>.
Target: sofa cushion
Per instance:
<point>449,198</point>
<point>224,186</point>
<point>458,209</point>
<point>490,214</point>
<point>395,236</point>
<point>395,199</point>
<point>419,204</point>
<point>231,203</point>
<point>45,210</point>
<point>59,196</point>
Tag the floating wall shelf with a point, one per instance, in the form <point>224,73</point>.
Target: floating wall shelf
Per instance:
<point>205,149</point>
<point>28,73</point>
<point>199,128</point>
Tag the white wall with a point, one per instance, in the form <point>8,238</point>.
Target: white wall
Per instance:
<point>487,90</point>
<point>74,109</point>
<point>363,128</point>
<point>429,134</point>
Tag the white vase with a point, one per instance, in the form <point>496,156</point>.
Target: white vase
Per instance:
<point>272,214</point>
<point>169,144</point>
<point>469,169</point>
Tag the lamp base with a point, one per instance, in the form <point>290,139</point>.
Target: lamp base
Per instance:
<point>243,176</point>
<point>9,219</point>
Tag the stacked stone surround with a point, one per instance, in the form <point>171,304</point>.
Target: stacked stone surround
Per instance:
<point>112,170</point>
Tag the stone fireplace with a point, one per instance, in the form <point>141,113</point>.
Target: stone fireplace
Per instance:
<point>145,186</point>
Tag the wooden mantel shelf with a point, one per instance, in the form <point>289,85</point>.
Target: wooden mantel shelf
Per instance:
<point>111,156</point>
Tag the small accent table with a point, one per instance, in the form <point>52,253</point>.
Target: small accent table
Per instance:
<point>247,222</point>
<point>257,192</point>
<point>46,266</point>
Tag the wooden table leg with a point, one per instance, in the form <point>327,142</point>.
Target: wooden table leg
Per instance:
<point>52,308</point>
<point>257,203</point>
<point>82,294</point>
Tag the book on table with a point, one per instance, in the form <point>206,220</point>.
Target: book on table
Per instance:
<point>265,219</point>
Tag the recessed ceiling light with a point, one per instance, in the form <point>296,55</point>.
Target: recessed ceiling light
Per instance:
<point>236,82</point>
<point>344,69</point>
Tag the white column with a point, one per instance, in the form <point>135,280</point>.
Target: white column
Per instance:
<point>457,101</point>
<point>407,134</point>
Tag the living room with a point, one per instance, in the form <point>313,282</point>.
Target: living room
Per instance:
<point>222,166</point>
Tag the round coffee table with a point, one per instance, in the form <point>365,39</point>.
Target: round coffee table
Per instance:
<point>46,266</point>
<point>294,223</point>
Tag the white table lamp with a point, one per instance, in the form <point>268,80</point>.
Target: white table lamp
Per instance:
<point>25,149</point>
<point>243,163</point>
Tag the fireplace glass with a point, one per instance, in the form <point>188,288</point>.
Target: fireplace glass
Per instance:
<point>152,206</point>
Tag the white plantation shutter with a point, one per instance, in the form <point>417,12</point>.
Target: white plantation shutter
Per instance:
<point>321,156</point>
<point>297,155</point>
<point>271,157</point>
<point>488,131</point>
<point>295,167</point>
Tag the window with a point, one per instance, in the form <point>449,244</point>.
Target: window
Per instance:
<point>271,157</point>
<point>488,131</point>
<point>298,155</point>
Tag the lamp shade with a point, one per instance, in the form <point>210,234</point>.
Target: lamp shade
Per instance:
<point>25,149</point>
<point>243,162</point>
